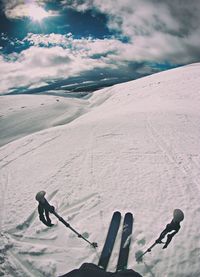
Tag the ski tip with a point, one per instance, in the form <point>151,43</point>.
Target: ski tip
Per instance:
<point>129,214</point>
<point>117,212</point>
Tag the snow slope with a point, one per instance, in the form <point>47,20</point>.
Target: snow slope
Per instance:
<point>23,115</point>
<point>136,149</point>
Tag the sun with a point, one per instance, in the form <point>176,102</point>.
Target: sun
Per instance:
<point>37,13</point>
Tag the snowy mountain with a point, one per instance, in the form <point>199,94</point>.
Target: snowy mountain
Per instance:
<point>133,147</point>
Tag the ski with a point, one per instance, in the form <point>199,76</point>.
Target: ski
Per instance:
<point>125,242</point>
<point>110,240</point>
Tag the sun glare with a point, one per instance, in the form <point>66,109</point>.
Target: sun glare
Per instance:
<point>37,13</point>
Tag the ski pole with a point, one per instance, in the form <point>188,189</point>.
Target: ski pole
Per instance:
<point>45,208</point>
<point>174,226</point>
<point>94,244</point>
<point>139,258</point>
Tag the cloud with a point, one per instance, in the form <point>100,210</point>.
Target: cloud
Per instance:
<point>20,9</point>
<point>55,57</point>
<point>158,29</point>
<point>161,30</point>
<point>63,57</point>
<point>83,48</point>
<point>57,60</point>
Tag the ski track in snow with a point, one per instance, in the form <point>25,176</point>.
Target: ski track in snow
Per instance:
<point>119,156</point>
<point>22,152</point>
<point>184,165</point>
<point>24,249</point>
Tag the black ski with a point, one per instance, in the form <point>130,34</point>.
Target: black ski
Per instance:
<point>125,242</point>
<point>110,240</point>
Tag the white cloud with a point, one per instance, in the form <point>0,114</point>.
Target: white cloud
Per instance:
<point>49,40</point>
<point>20,9</point>
<point>158,31</point>
<point>162,30</point>
<point>40,64</point>
<point>56,56</point>
<point>82,48</point>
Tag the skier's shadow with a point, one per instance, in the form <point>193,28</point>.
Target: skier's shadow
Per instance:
<point>149,269</point>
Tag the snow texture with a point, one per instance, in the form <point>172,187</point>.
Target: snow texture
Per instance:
<point>133,147</point>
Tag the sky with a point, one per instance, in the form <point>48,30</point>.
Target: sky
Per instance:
<point>78,45</point>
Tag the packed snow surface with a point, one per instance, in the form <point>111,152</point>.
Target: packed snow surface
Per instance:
<point>133,147</point>
<point>23,115</point>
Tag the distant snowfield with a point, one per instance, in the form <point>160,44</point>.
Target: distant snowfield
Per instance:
<point>131,147</point>
<point>21,115</point>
